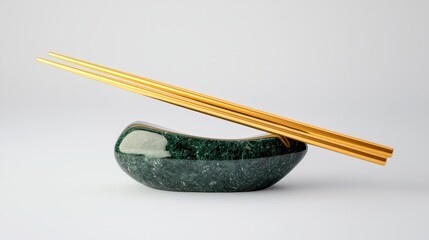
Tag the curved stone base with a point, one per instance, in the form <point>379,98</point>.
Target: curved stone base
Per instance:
<point>167,160</point>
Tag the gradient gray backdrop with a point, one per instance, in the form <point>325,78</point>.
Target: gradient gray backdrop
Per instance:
<point>358,67</point>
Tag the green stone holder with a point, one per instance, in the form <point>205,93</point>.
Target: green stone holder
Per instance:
<point>167,160</point>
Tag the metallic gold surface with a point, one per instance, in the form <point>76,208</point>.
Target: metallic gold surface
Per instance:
<point>334,136</point>
<point>376,154</point>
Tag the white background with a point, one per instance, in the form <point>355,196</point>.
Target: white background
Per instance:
<point>357,67</point>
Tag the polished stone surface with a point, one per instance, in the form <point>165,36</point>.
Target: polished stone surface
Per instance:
<point>167,160</point>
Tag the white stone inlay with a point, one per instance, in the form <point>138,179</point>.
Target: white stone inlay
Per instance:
<point>145,142</point>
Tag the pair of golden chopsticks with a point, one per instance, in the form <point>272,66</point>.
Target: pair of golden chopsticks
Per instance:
<point>268,122</point>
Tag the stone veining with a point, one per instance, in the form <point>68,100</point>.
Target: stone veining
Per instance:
<point>167,160</point>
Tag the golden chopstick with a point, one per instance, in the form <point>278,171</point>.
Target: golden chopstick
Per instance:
<point>324,133</point>
<point>224,114</point>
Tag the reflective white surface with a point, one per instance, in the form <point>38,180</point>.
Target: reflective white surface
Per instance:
<point>357,67</point>
<point>145,142</point>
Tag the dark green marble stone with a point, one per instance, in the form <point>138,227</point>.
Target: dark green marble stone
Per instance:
<point>168,160</point>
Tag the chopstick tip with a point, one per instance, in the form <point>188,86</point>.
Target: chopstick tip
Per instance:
<point>45,61</point>
<point>52,54</point>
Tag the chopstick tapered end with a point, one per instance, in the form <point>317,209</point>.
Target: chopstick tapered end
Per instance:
<point>51,53</point>
<point>42,60</point>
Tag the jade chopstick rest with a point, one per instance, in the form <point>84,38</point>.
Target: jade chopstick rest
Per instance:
<point>167,160</point>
